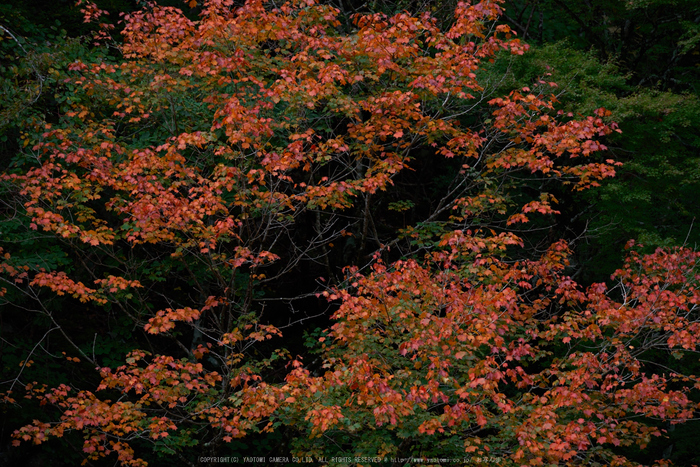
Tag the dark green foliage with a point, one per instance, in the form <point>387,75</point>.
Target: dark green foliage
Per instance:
<point>656,41</point>
<point>655,196</point>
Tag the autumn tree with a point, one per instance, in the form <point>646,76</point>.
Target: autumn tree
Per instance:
<point>221,156</point>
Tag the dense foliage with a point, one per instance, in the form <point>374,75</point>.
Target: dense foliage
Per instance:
<point>641,61</point>
<point>266,229</point>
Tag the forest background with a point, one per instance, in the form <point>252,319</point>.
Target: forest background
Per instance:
<point>264,241</point>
